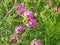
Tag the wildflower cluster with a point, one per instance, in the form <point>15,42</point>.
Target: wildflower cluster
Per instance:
<point>29,22</point>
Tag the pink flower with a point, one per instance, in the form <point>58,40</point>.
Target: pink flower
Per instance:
<point>18,6</point>
<point>13,37</point>
<point>8,12</point>
<point>18,29</point>
<point>30,23</point>
<point>20,11</point>
<point>55,9</point>
<point>35,42</point>
<point>48,2</point>
<point>28,14</point>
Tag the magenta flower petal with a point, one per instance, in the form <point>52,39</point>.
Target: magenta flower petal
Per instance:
<point>35,42</point>
<point>28,14</point>
<point>48,2</point>
<point>13,37</point>
<point>18,29</point>
<point>20,11</point>
<point>55,9</point>
<point>30,23</point>
<point>18,6</point>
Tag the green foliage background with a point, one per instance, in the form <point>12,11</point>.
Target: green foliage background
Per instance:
<point>47,28</point>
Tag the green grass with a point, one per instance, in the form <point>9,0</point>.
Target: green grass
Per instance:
<point>47,28</point>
